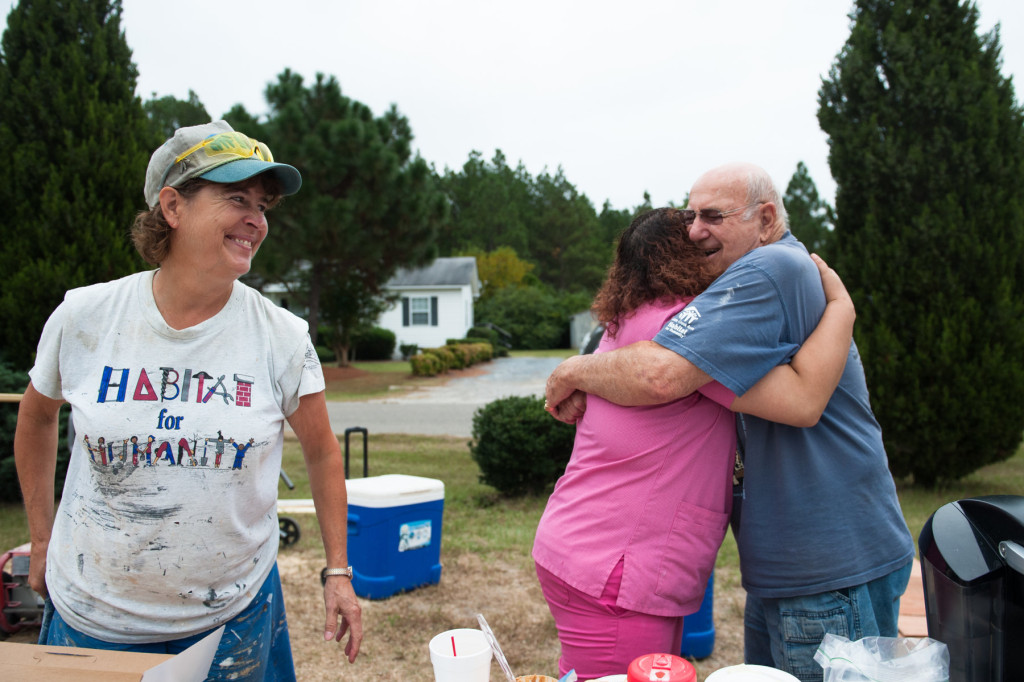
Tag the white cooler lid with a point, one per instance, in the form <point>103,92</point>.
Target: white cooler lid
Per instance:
<point>392,490</point>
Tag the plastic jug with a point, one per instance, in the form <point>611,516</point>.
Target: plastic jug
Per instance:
<point>660,668</point>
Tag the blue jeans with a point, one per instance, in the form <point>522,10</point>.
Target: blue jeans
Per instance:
<point>785,633</point>
<point>255,644</point>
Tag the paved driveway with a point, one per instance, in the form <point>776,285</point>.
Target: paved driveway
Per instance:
<point>445,410</point>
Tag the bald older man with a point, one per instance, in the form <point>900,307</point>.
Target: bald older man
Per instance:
<point>822,541</point>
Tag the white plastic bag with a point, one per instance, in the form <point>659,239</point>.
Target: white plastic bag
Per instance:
<point>883,659</point>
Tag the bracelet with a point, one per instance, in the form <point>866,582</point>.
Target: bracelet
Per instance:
<point>347,572</point>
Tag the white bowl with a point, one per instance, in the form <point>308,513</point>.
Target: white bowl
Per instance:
<point>750,673</point>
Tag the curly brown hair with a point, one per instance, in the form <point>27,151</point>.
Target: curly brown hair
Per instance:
<point>151,233</point>
<point>654,261</point>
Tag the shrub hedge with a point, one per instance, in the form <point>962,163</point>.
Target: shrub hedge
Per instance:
<point>519,447</point>
<point>375,343</point>
<point>452,356</point>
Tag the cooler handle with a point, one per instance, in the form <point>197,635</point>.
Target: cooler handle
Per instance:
<point>353,524</point>
<point>1014,555</point>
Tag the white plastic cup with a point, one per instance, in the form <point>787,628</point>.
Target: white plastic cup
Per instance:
<point>471,661</point>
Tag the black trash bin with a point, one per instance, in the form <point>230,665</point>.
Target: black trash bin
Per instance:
<point>972,567</point>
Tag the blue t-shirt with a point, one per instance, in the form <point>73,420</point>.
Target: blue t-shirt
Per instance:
<point>820,510</point>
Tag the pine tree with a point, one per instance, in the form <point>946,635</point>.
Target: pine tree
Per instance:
<point>76,144</point>
<point>810,217</point>
<point>368,204</point>
<point>168,113</point>
<point>927,149</point>
<point>490,205</point>
<point>565,236</point>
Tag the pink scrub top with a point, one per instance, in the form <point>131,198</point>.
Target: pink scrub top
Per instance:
<point>650,486</point>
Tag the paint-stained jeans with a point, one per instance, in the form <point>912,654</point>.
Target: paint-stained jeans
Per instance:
<point>255,644</point>
<point>785,633</point>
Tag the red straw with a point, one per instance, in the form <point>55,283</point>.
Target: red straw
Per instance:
<point>453,646</point>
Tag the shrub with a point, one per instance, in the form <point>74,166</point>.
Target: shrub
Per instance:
<point>535,317</point>
<point>483,333</point>
<point>500,345</point>
<point>325,354</point>
<point>408,350</point>
<point>519,447</point>
<point>443,354</point>
<point>475,348</point>
<point>462,355</point>
<point>482,352</point>
<point>324,335</point>
<point>425,365</point>
<point>374,343</point>
<point>468,339</point>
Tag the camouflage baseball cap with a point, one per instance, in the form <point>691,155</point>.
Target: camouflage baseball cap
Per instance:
<point>215,152</point>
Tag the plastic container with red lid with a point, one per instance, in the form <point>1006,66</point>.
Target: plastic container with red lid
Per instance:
<point>660,668</point>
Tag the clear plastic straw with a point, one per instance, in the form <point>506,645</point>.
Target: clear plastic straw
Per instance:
<point>495,647</point>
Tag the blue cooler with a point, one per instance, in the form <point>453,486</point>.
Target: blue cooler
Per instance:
<point>394,533</point>
<point>699,628</point>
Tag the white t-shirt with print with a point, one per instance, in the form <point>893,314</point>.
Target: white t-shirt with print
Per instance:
<point>167,525</point>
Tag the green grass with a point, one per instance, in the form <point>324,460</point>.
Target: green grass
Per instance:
<point>1002,478</point>
<point>384,366</point>
<point>553,353</point>
<point>13,527</point>
<point>476,518</point>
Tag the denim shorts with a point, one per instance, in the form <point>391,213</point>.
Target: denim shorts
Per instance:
<point>785,633</point>
<point>255,644</point>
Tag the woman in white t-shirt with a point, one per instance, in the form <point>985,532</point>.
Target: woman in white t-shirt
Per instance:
<point>158,543</point>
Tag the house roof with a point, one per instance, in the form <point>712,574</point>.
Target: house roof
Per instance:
<point>460,271</point>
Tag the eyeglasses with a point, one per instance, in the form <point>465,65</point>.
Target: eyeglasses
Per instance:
<point>712,216</point>
<point>233,143</point>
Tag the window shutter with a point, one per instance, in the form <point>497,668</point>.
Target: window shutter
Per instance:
<point>405,311</point>
<point>433,311</point>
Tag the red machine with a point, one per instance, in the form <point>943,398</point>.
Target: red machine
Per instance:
<point>20,605</point>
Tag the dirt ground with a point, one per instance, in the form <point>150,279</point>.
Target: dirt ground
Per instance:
<point>332,373</point>
<point>398,629</point>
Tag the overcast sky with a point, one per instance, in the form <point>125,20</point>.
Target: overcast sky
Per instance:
<point>626,97</point>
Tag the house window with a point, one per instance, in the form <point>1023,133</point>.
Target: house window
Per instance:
<point>419,311</point>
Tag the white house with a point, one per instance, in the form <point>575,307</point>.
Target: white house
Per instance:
<point>435,304</point>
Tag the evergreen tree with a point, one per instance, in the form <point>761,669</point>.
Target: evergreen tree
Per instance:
<point>810,217</point>
<point>544,219</point>
<point>490,204</point>
<point>169,113</point>
<point>76,144</point>
<point>613,222</point>
<point>565,236</point>
<point>927,148</point>
<point>368,205</point>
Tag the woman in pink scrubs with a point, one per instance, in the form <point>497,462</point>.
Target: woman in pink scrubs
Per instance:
<point>630,534</point>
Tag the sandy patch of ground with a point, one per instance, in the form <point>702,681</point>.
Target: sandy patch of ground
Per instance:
<point>398,629</point>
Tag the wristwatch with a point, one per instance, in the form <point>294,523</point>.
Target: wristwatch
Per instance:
<point>347,572</point>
